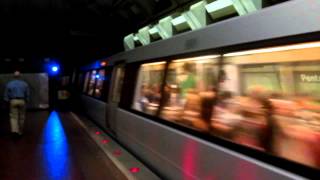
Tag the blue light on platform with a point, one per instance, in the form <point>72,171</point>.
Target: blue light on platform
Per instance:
<point>56,153</point>
<point>54,68</point>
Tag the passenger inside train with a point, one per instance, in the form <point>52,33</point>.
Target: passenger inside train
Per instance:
<point>267,101</point>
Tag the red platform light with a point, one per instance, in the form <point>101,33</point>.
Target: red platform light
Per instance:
<point>117,152</point>
<point>135,170</point>
<point>105,141</point>
<point>98,133</point>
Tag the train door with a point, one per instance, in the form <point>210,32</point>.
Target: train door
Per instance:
<point>114,96</point>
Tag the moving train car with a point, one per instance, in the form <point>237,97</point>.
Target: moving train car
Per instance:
<point>238,99</point>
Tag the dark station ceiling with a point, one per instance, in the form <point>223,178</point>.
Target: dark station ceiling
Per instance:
<point>77,31</point>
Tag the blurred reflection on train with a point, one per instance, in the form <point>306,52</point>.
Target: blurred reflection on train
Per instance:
<point>267,99</point>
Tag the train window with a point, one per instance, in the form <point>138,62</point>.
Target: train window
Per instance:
<point>92,82</point>
<point>148,89</point>
<point>118,82</point>
<point>86,81</point>
<point>261,75</point>
<point>269,100</point>
<point>190,90</point>
<point>101,77</point>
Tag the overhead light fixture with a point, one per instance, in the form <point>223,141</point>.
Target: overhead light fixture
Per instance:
<point>135,38</point>
<point>275,49</point>
<point>178,20</point>
<point>153,30</point>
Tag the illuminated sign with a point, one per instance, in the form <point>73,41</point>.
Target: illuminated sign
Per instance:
<point>309,77</point>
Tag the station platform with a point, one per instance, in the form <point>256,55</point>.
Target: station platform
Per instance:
<point>60,146</point>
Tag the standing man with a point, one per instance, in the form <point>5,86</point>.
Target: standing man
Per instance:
<point>17,95</point>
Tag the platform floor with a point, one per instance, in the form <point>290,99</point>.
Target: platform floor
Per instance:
<point>54,147</point>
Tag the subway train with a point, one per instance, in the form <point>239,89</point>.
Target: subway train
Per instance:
<point>238,99</point>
